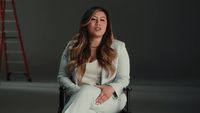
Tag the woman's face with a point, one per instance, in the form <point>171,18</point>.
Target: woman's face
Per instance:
<point>97,24</point>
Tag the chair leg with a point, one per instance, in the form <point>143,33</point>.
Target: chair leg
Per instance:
<point>61,99</point>
<point>127,90</point>
<point>59,110</point>
<point>125,111</point>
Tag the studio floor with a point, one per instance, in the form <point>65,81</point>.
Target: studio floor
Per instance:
<point>148,96</point>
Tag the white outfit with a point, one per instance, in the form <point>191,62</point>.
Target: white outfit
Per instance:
<point>83,96</point>
<point>92,73</point>
<point>83,101</point>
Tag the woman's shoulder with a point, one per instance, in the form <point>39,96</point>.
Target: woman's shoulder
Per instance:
<point>70,44</point>
<point>117,43</point>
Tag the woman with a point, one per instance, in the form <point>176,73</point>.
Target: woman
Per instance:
<point>94,67</point>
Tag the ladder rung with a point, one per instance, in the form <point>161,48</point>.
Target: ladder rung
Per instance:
<point>11,37</point>
<point>7,10</point>
<point>7,0</point>
<point>12,41</point>
<point>9,31</point>
<point>7,21</point>
<point>15,62</point>
<point>17,72</point>
<point>13,52</point>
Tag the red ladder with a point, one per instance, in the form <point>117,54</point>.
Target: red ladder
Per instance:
<point>11,44</point>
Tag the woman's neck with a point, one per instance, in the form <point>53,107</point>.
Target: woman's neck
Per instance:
<point>94,42</point>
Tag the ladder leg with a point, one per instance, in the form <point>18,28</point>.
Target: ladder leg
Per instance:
<point>8,73</point>
<point>1,34</point>
<point>8,76</point>
<point>28,77</point>
<point>21,42</point>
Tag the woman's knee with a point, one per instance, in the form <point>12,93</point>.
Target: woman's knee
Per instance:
<point>122,101</point>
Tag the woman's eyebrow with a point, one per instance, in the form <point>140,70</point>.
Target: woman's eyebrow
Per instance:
<point>100,17</point>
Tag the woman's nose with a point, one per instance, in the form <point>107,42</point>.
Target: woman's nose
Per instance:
<point>97,22</point>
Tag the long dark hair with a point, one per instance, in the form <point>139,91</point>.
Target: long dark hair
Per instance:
<point>79,50</point>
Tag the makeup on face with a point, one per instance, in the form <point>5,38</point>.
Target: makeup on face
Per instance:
<point>98,23</point>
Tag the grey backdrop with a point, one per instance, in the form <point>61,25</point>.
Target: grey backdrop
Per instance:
<point>161,36</point>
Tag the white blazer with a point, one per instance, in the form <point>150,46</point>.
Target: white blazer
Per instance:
<point>118,81</point>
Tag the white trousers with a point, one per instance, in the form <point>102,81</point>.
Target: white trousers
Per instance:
<point>84,102</point>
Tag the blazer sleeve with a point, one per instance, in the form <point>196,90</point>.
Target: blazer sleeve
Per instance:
<point>63,78</point>
<point>122,78</point>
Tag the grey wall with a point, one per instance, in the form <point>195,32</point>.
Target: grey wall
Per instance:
<point>167,39</point>
<point>161,36</point>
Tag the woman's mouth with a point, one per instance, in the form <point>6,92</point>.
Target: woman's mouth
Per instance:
<point>97,28</point>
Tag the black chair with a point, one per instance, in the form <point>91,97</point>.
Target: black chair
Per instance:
<point>63,99</point>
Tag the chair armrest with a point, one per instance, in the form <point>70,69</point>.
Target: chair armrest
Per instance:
<point>61,98</point>
<point>127,90</point>
<point>62,88</point>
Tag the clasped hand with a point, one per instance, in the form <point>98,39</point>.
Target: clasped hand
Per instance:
<point>106,93</point>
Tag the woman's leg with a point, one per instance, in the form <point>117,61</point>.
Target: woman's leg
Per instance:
<point>84,102</point>
<point>81,101</point>
<point>112,105</point>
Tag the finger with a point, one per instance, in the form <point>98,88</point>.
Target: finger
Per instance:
<point>98,86</point>
<point>102,100</point>
<point>99,98</point>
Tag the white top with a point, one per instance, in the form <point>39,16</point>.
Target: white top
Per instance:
<point>92,73</point>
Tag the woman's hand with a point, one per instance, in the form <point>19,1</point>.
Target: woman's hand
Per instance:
<point>106,93</point>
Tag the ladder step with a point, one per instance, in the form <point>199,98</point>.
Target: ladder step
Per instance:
<point>7,0</point>
<point>17,72</point>
<point>15,62</point>
<point>11,37</point>
<point>8,10</point>
<point>13,52</point>
<point>8,31</point>
<point>12,41</point>
<point>9,21</point>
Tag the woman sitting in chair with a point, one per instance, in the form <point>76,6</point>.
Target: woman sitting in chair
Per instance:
<point>94,67</point>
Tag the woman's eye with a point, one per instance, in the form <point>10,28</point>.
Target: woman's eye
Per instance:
<point>93,19</point>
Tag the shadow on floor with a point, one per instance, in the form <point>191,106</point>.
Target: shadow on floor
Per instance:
<point>148,96</point>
